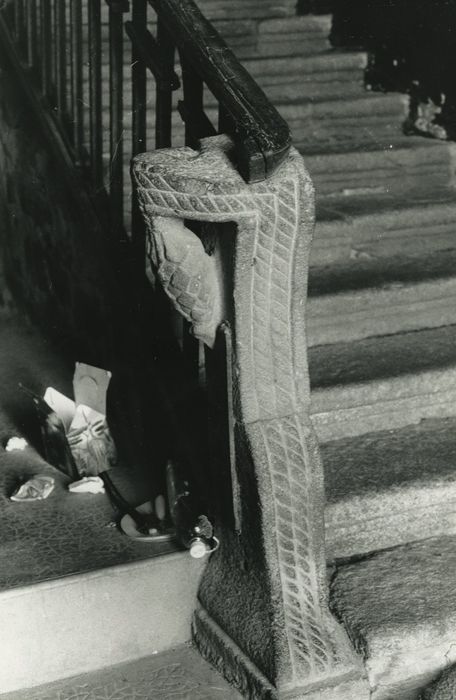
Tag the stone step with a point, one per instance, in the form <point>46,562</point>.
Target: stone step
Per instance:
<point>83,622</point>
<point>284,79</point>
<point>399,609</point>
<point>366,298</point>
<point>251,35</point>
<point>218,9</point>
<point>372,113</point>
<point>321,121</point>
<point>370,164</point>
<point>390,487</point>
<point>179,674</point>
<point>76,594</point>
<point>385,225</point>
<point>383,382</point>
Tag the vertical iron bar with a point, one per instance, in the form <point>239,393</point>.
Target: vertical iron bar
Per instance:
<point>19,22</point>
<point>139,125</point>
<point>225,125</point>
<point>139,19</point>
<point>116,114</point>
<point>32,39</point>
<point>193,99</point>
<point>193,103</point>
<point>46,47</point>
<point>77,110</point>
<point>60,58</point>
<point>96,134</point>
<point>164,95</point>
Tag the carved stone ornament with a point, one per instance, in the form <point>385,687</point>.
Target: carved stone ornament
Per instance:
<point>263,618</point>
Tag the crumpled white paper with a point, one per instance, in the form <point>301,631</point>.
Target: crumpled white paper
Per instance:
<point>35,489</point>
<point>88,484</point>
<point>16,443</point>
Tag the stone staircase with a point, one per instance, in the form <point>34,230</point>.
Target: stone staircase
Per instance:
<point>382,348</point>
<point>382,352</point>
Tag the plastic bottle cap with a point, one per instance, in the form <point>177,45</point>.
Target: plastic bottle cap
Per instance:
<point>198,549</point>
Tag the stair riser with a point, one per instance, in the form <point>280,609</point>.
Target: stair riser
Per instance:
<point>388,177</point>
<point>279,88</point>
<point>400,523</point>
<point>342,241</point>
<point>81,623</point>
<point>346,317</point>
<point>245,8</point>
<point>382,405</point>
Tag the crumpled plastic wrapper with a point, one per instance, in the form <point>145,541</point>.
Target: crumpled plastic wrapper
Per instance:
<point>35,489</point>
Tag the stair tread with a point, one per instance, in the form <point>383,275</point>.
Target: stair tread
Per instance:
<point>399,608</point>
<point>180,673</point>
<point>66,533</point>
<point>326,61</point>
<point>382,357</point>
<point>390,487</point>
<point>346,208</point>
<point>365,144</point>
<point>376,463</point>
<point>368,273</point>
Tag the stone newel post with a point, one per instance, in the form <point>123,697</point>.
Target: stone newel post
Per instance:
<point>263,617</point>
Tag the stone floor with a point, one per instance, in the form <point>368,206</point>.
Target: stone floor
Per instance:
<point>180,674</point>
<point>66,533</point>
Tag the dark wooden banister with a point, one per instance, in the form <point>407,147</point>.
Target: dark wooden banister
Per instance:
<point>261,135</point>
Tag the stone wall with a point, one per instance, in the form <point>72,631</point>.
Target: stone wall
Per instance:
<point>70,277</point>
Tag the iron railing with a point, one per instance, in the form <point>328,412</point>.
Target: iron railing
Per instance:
<point>77,56</point>
<point>122,77</point>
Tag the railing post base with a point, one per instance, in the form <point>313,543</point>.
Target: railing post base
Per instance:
<point>264,619</point>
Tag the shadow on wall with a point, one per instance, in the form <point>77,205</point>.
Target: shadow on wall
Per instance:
<point>73,279</point>
<point>412,45</point>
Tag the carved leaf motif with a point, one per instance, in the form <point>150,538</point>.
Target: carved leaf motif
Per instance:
<point>187,274</point>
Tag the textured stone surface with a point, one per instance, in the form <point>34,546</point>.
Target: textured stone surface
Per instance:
<point>383,382</point>
<point>364,298</point>
<point>288,634</point>
<point>399,608</point>
<point>444,688</point>
<point>180,674</point>
<point>372,163</point>
<point>383,225</point>
<point>390,487</point>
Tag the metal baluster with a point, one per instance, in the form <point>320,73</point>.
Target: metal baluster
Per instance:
<point>116,110</point>
<point>96,135</point>
<point>164,101</point>
<point>46,47</point>
<point>225,123</point>
<point>32,33</point>
<point>139,126</point>
<point>139,18</point>
<point>60,58</point>
<point>77,109</point>
<point>193,103</point>
<point>19,23</point>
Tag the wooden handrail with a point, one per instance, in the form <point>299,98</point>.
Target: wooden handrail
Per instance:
<point>261,135</point>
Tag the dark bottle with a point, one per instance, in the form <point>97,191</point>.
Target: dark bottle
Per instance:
<point>194,530</point>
